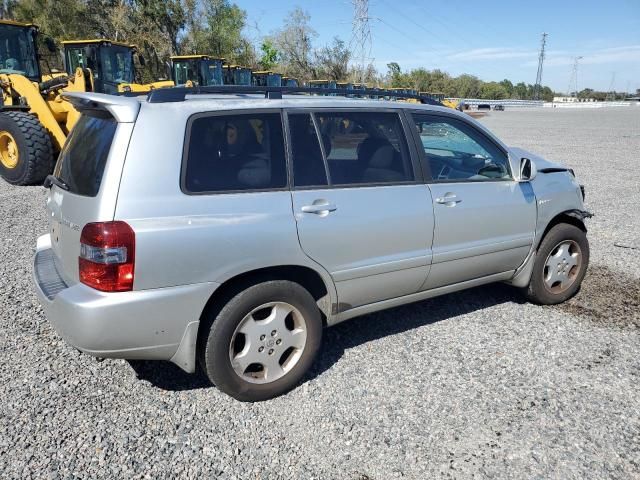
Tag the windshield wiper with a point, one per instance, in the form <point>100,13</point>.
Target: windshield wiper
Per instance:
<point>53,180</point>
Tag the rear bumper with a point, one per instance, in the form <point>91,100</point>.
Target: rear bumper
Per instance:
<point>158,324</point>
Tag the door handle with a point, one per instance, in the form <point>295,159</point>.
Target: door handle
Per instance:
<point>449,199</point>
<point>319,208</point>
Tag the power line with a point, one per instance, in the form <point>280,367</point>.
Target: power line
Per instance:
<point>409,19</point>
<point>538,85</point>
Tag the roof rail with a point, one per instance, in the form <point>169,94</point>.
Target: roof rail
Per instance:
<point>178,94</point>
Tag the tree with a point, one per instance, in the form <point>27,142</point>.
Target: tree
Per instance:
<point>332,61</point>
<point>269,55</point>
<point>520,91</point>
<point>508,86</point>
<point>294,42</point>
<point>493,91</point>
<point>467,86</point>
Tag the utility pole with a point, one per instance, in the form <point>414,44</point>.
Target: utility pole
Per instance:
<point>573,79</point>
<point>361,39</point>
<point>538,85</point>
<point>611,93</point>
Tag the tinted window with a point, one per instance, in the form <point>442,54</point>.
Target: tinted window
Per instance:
<point>308,165</point>
<point>84,155</point>
<point>365,147</point>
<point>235,152</point>
<point>457,151</point>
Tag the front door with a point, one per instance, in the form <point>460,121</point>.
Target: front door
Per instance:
<point>484,220</point>
<point>360,212</point>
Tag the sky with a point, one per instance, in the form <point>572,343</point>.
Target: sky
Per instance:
<point>492,39</point>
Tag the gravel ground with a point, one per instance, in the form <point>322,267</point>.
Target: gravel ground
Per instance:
<point>474,384</point>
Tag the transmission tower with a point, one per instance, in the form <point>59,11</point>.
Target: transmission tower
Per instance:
<point>611,93</point>
<point>538,84</point>
<point>361,39</point>
<point>573,79</point>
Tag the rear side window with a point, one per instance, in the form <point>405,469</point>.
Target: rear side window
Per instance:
<point>365,148</point>
<point>84,155</point>
<point>235,153</point>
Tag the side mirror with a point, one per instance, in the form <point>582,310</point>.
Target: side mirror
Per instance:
<point>51,44</point>
<point>528,170</point>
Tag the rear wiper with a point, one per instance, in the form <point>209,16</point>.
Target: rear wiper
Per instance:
<point>53,180</point>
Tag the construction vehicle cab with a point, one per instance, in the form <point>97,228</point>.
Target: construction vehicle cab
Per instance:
<point>322,84</point>
<point>290,82</point>
<point>236,75</point>
<point>110,63</point>
<point>200,70</point>
<point>18,51</point>
<point>266,79</point>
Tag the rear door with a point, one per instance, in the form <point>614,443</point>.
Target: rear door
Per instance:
<point>484,219</point>
<point>89,166</point>
<point>361,209</point>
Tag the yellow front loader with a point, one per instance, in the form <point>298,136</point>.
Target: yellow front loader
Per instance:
<point>34,118</point>
<point>111,65</point>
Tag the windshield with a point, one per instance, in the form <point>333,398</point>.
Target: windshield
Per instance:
<point>17,51</point>
<point>242,76</point>
<point>117,64</point>
<point>212,72</point>
<point>274,80</point>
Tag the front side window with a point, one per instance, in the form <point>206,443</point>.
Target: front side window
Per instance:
<point>458,152</point>
<point>235,153</point>
<point>75,59</point>
<point>364,148</point>
<point>183,71</point>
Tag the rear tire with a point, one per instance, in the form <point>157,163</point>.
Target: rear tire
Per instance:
<point>262,341</point>
<point>560,266</point>
<point>26,153</point>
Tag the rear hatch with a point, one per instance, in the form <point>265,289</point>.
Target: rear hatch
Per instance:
<point>84,185</point>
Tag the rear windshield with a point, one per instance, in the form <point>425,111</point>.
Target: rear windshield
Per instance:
<point>84,155</point>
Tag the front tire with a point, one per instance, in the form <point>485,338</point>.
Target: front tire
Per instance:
<point>262,341</point>
<point>26,153</point>
<point>560,266</point>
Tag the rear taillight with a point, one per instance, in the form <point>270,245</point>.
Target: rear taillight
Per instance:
<point>107,256</point>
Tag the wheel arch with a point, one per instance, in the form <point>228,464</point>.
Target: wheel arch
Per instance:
<point>306,276</point>
<point>573,217</point>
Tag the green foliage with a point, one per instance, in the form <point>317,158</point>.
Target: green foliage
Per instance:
<point>269,56</point>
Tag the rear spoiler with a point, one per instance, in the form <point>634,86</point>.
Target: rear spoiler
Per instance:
<point>123,109</point>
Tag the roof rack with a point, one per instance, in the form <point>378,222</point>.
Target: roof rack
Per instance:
<point>178,94</point>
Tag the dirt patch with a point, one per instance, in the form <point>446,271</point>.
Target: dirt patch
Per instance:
<point>607,296</point>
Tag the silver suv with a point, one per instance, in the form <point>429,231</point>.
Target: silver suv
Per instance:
<point>228,230</point>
